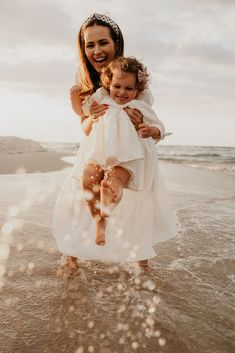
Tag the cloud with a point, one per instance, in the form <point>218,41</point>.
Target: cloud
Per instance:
<point>24,21</point>
<point>46,78</point>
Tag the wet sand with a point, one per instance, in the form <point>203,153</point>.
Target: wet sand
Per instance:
<point>34,162</point>
<point>182,305</point>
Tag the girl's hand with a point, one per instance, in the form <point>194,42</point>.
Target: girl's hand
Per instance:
<point>97,110</point>
<point>76,100</point>
<point>149,131</point>
<point>135,116</point>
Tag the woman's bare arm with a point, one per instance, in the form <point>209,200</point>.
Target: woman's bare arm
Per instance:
<point>76,100</point>
<point>96,110</point>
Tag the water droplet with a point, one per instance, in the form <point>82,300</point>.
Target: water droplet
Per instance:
<point>157,333</point>
<point>91,324</point>
<point>88,195</point>
<point>31,265</point>
<point>7,228</point>
<point>150,321</point>
<point>135,345</point>
<point>96,188</point>
<point>137,280</point>
<point>149,284</point>
<point>162,341</point>
<point>151,309</point>
<point>156,299</point>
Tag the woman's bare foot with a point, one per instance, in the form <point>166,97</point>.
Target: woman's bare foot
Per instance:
<point>72,262</point>
<point>100,232</point>
<point>68,265</point>
<point>110,195</point>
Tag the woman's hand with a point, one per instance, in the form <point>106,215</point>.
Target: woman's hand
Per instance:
<point>135,116</point>
<point>76,100</point>
<point>97,110</point>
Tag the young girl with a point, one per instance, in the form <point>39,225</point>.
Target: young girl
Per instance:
<point>142,218</point>
<point>113,140</point>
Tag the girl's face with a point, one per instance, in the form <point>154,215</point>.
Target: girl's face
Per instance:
<point>99,46</point>
<point>123,86</point>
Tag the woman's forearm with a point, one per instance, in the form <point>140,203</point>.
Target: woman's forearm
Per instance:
<point>76,100</point>
<point>87,125</point>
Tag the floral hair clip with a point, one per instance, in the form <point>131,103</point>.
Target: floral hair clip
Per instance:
<point>142,75</point>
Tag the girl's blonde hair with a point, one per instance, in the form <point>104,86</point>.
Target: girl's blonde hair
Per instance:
<point>130,65</point>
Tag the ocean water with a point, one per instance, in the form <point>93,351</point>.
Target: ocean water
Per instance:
<point>184,303</point>
<point>207,157</point>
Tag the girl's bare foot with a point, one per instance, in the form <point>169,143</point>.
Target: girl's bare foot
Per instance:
<point>100,232</point>
<point>110,195</point>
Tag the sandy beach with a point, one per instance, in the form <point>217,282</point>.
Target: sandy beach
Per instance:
<point>32,162</point>
<point>183,304</point>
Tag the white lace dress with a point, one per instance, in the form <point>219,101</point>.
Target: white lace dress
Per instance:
<point>142,218</point>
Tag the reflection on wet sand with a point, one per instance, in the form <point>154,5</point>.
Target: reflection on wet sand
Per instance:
<point>182,304</point>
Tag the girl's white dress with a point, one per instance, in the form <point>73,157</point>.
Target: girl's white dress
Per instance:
<point>142,218</point>
<point>114,140</point>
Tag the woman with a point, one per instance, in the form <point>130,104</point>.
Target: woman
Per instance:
<point>100,41</point>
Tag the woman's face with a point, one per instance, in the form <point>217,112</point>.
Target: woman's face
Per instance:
<point>99,46</point>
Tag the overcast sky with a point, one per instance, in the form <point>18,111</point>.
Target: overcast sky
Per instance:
<point>187,45</point>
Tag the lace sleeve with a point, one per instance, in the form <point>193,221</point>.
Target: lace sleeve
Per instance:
<point>95,97</point>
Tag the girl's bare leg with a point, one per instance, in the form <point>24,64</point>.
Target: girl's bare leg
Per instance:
<point>112,188</point>
<point>92,177</point>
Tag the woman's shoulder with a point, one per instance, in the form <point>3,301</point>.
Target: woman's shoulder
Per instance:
<point>146,96</point>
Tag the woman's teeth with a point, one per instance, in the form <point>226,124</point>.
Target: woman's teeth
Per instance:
<point>100,60</point>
